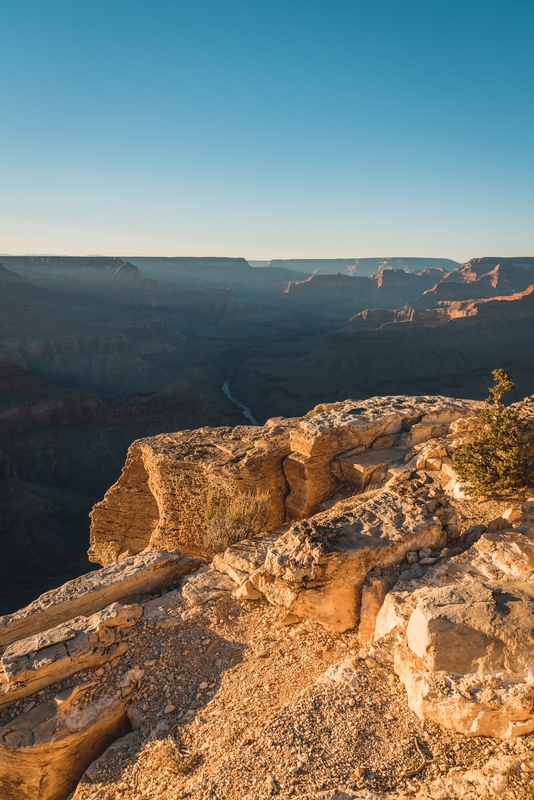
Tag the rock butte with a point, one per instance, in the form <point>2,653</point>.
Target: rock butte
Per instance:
<point>365,546</point>
<point>160,498</point>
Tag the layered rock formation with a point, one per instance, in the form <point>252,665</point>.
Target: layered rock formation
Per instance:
<point>225,693</point>
<point>451,349</point>
<point>45,750</point>
<point>331,299</point>
<point>160,499</point>
<point>362,266</point>
<point>211,273</point>
<point>472,282</point>
<point>77,273</point>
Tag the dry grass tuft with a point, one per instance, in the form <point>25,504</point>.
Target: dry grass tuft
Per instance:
<point>231,521</point>
<point>170,757</point>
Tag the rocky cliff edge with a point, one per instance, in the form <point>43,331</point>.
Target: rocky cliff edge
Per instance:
<point>375,642</point>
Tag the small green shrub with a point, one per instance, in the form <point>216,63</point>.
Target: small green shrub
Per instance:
<point>230,521</point>
<point>500,457</point>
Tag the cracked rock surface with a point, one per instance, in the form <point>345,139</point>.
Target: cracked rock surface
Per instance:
<point>375,643</point>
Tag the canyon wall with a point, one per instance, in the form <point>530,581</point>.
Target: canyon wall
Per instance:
<point>451,349</point>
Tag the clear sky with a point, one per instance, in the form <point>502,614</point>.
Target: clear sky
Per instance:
<point>267,128</point>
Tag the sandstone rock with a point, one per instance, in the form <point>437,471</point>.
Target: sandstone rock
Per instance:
<point>317,569</point>
<point>424,431</point>
<point>527,517</point>
<point>503,553</point>
<point>38,661</point>
<point>247,592</point>
<point>394,613</point>
<point>465,654</point>
<point>221,565</point>
<point>498,524</point>
<point>472,534</point>
<point>160,498</point>
<point>94,591</point>
<point>244,557</point>
<point>44,752</point>
<point>512,515</point>
<point>373,595</point>
<point>206,585</point>
<point>455,489</point>
<point>359,469</point>
<point>330,430</point>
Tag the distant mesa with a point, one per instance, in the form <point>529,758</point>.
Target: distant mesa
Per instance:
<point>362,266</point>
<point>478,279</point>
<point>211,272</point>
<point>46,271</point>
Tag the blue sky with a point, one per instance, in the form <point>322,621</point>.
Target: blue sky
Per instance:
<point>282,128</point>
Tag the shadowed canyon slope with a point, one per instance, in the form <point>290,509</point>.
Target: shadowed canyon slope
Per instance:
<point>431,345</point>
<point>94,355</point>
<point>59,451</point>
<point>212,273</point>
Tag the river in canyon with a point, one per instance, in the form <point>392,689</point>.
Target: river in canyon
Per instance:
<point>247,413</point>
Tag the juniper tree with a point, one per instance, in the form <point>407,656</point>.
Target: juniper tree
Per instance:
<point>500,457</point>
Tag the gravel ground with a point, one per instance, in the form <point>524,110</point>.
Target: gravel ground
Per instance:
<point>228,701</point>
<point>253,719</point>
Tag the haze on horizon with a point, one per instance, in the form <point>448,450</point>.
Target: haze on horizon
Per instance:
<point>280,130</point>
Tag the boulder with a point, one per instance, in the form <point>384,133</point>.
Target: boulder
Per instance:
<point>247,592</point>
<point>38,661</point>
<point>206,585</point>
<point>83,596</point>
<point>373,595</point>
<point>44,752</point>
<point>160,499</point>
<point>317,569</point>
<point>512,515</point>
<point>466,638</point>
<point>242,559</point>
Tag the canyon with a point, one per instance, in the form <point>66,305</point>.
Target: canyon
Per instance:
<point>446,346</point>
<point>97,352</point>
<point>373,642</point>
<point>361,266</point>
